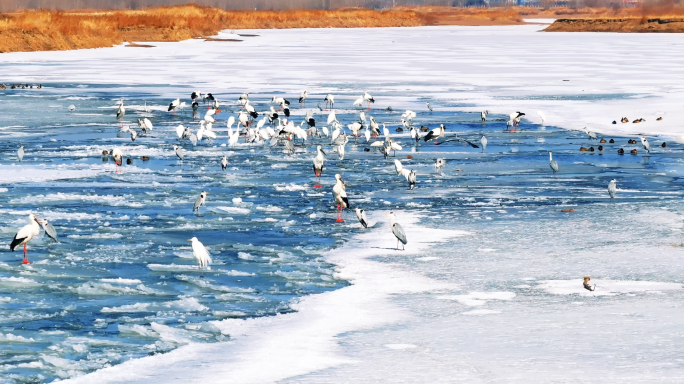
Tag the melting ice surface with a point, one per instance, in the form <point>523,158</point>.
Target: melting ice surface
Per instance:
<point>122,283</point>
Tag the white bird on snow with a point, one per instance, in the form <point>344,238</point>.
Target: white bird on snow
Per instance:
<point>361,215</point>
<point>398,231</point>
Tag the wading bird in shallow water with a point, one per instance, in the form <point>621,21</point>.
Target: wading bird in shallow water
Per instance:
<point>340,195</point>
<point>20,153</point>
<point>173,105</point>
<point>330,100</point>
<point>483,116</point>
<point>368,99</point>
<point>25,234</point>
<point>179,152</point>
<point>318,165</point>
<point>361,215</point>
<point>200,201</point>
<point>302,98</point>
<point>429,106</point>
<point>439,164</point>
<point>612,188</point>
<point>483,141</point>
<point>398,231</point>
<point>224,163</point>
<point>552,163</point>
<point>435,133</point>
<point>49,229</point>
<point>200,252</point>
<point>645,143</point>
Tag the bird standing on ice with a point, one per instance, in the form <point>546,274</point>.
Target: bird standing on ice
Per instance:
<point>552,163</point>
<point>340,197</point>
<point>483,116</point>
<point>200,201</point>
<point>542,116</point>
<point>174,104</point>
<point>117,154</point>
<point>591,135</point>
<point>224,163</point>
<point>439,164</point>
<point>302,98</point>
<point>121,112</point>
<point>483,141</point>
<point>179,152</point>
<point>318,165</point>
<point>361,215</point>
<point>516,117</point>
<point>20,153</point>
<point>398,231</point>
<point>644,142</point>
<point>330,99</point>
<point>25,234</point>
<point>435,133</point>
<point>368,99</point>
<point>200,252</point>
<point>612,188</point>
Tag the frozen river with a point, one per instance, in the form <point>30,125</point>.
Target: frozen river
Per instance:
<point>489,288</point>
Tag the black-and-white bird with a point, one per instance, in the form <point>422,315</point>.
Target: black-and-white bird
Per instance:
<point>645,143</point>
<point>121,111</point>
<point>398,231</point>
<point>20,153</point>
<point>25,234</point>
<point>302,97</point>
<point>250,109</point>
<point>224,163</point>
<point>318,164</point>
<point>340,195</point>
<point>429,106</point>
<point>199,202</point>
<point>173,105</point>
<point>196,95</point>
<point>439,163</point>
<point>435,133</point>
<point>483,115</point>
<point>361,215</point>
<point>330,100</point>
<point>612,188</point>
<point>209,97</point>
<point>552,163</point>
<point>117,154</point>
<point>200,253</point>
<point>134,135</point>
<point>591,135</point>
<point>368,99</point>
<point>280,100</point>
<point>516,117</point>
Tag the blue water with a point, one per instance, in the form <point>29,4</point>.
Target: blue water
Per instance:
<point>68,313</point>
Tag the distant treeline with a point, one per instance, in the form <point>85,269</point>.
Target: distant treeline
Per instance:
<point>11,5</point>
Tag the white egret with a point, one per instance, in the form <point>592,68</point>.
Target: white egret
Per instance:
<point>483,141</point>
<point>200,252</point>
<point>542,116</point>
<point>20,153</point>
<point>612,188</point>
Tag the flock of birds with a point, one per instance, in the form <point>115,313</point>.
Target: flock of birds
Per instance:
<point>276,127</point>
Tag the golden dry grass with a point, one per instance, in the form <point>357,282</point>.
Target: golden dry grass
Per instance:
<point>42,30</point>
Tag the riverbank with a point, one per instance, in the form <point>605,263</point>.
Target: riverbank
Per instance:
<point>642,24</point>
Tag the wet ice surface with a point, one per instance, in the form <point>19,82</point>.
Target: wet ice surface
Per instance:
<point>504,301</point>
<point>122,282</point>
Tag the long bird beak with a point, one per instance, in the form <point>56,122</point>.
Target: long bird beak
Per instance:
<point>322,151</point>
<point>189,239</point>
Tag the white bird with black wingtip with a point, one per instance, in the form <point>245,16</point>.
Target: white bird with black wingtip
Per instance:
<point>25,234</point>
<point>318,165</point>
<point>340,195</point>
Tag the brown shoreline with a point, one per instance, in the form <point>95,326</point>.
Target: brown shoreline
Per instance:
<point>644,24</point>
<point>44,30</point>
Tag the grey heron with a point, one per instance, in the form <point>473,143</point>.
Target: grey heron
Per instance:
<point>429,106</point>
<point>439,163</point>
<point>201,199</point>
<point>645,143</point>
<point>25,234</point>
<point>179,152</point>
<point>361,215</point>
<point>49,229</point>
<point>483,115</point>
<point>552,163</point>
<point>398,231</point>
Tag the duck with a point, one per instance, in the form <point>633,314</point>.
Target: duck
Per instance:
<point>586,284</point>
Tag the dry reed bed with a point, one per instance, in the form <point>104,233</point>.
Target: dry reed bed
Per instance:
<point>44,30</point>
